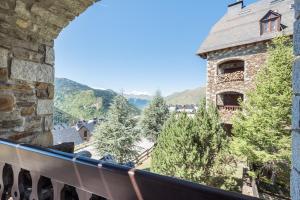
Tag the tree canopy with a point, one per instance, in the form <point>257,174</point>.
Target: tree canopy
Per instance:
<point>154,117</point>
<point>262,129</point>
<point>187,147</point>
<point>118,134</point>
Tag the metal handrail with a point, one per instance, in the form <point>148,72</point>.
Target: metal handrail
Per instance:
<point>107,180</point>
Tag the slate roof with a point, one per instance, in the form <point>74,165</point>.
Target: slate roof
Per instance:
<point>66,135</point>
<point>242,26</point>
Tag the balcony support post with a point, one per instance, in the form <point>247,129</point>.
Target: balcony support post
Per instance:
<point>35,181</point>
<point>15,188</point>
<point>57,188</point>
<point>83,195</point>
<point>1,179</point>
<point>295,173</point>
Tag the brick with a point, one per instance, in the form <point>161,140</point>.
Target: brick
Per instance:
<point>45,107</point>
<point>7,124</point>
<point>3,58</point>
<point>3,74</point>
<point>296,113</point>
<point>51,18</point>
<point>27,111</point>
<point>50,56</point>
<point>48,123</point>
<point>21,10</point>
<point>31,71</point>
<point>6,103</point>
<point>25,54</point>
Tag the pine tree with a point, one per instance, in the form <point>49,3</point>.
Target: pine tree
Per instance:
<point>118,134</point>
<point>154,117</point>
<point>187,147</point>
<point>262,128</point>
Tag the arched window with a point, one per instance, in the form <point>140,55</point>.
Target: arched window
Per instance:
<point>229,100</point>
<point>231,71</point>
<point>270,22</point>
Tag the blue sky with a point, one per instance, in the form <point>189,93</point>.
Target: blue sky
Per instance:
<point>139,45</point>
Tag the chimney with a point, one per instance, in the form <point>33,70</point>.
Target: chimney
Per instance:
<point>236,7</point>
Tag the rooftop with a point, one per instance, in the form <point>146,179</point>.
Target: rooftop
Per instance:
<point>240,25</point>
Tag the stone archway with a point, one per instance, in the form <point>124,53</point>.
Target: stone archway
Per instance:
<point>27,31</point>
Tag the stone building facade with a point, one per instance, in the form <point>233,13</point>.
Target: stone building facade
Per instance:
<point>252,57</point>
<point>27,32</point>
<point>236,49</point>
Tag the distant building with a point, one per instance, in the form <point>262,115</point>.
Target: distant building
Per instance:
<point>189,109</point>
<point>236,48</point>
<point>78,134</point>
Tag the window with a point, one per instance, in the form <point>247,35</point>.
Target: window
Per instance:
<point>270,22</point>
<point>231,67</point>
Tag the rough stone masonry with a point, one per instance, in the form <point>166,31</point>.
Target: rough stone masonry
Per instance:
<point>295,175</point>
<point>27,31</point>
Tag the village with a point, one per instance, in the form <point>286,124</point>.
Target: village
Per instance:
<point>237,138</point>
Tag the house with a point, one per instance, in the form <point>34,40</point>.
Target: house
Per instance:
<point>236,48</point>
<point>78,134</point>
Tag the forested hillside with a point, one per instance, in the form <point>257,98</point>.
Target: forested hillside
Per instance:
<point>187,97</point>
<point>79,101</point>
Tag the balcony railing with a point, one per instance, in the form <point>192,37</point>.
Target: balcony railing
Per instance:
<point>38,174</point>
<point>230,77</point>
<point>229,108</point>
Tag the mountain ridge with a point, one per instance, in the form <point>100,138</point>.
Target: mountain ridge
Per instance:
<point>68,101</point>
<point>189,96</point>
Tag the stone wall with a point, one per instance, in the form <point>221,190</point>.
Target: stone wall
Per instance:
<point>27,31</point>
<point>295,175</point>
<point>254,56</point>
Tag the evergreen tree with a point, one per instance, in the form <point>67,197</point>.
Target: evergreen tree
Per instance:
<point>154,117</point>
<point>262,129</point>
<point>118,134</point>
<point>187,147</point>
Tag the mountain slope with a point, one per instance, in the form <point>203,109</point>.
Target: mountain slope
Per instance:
<point>81,101</point>
<point>60,117</point>
<point>187,97</point>
<point>140,101</point>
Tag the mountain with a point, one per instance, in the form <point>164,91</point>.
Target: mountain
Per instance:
<point>139,103</point>
<point>61,117</point>
<point>77,101</point>
<point>187,97</point>
<point>139,100</point>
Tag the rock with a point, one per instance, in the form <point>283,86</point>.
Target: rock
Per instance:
<point>3,74</point>
<point>21,10</point>
<point>3,58</point>
<point>31,71</point>
<point>23,24</point>
<point>48,123</point>
<point>50,57</point>
<point>50,91</point>
<point>6,103</point>
<point>45,107</point>
<point>6,124</point>
<point>27,111</point>
<point>44,91</point>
